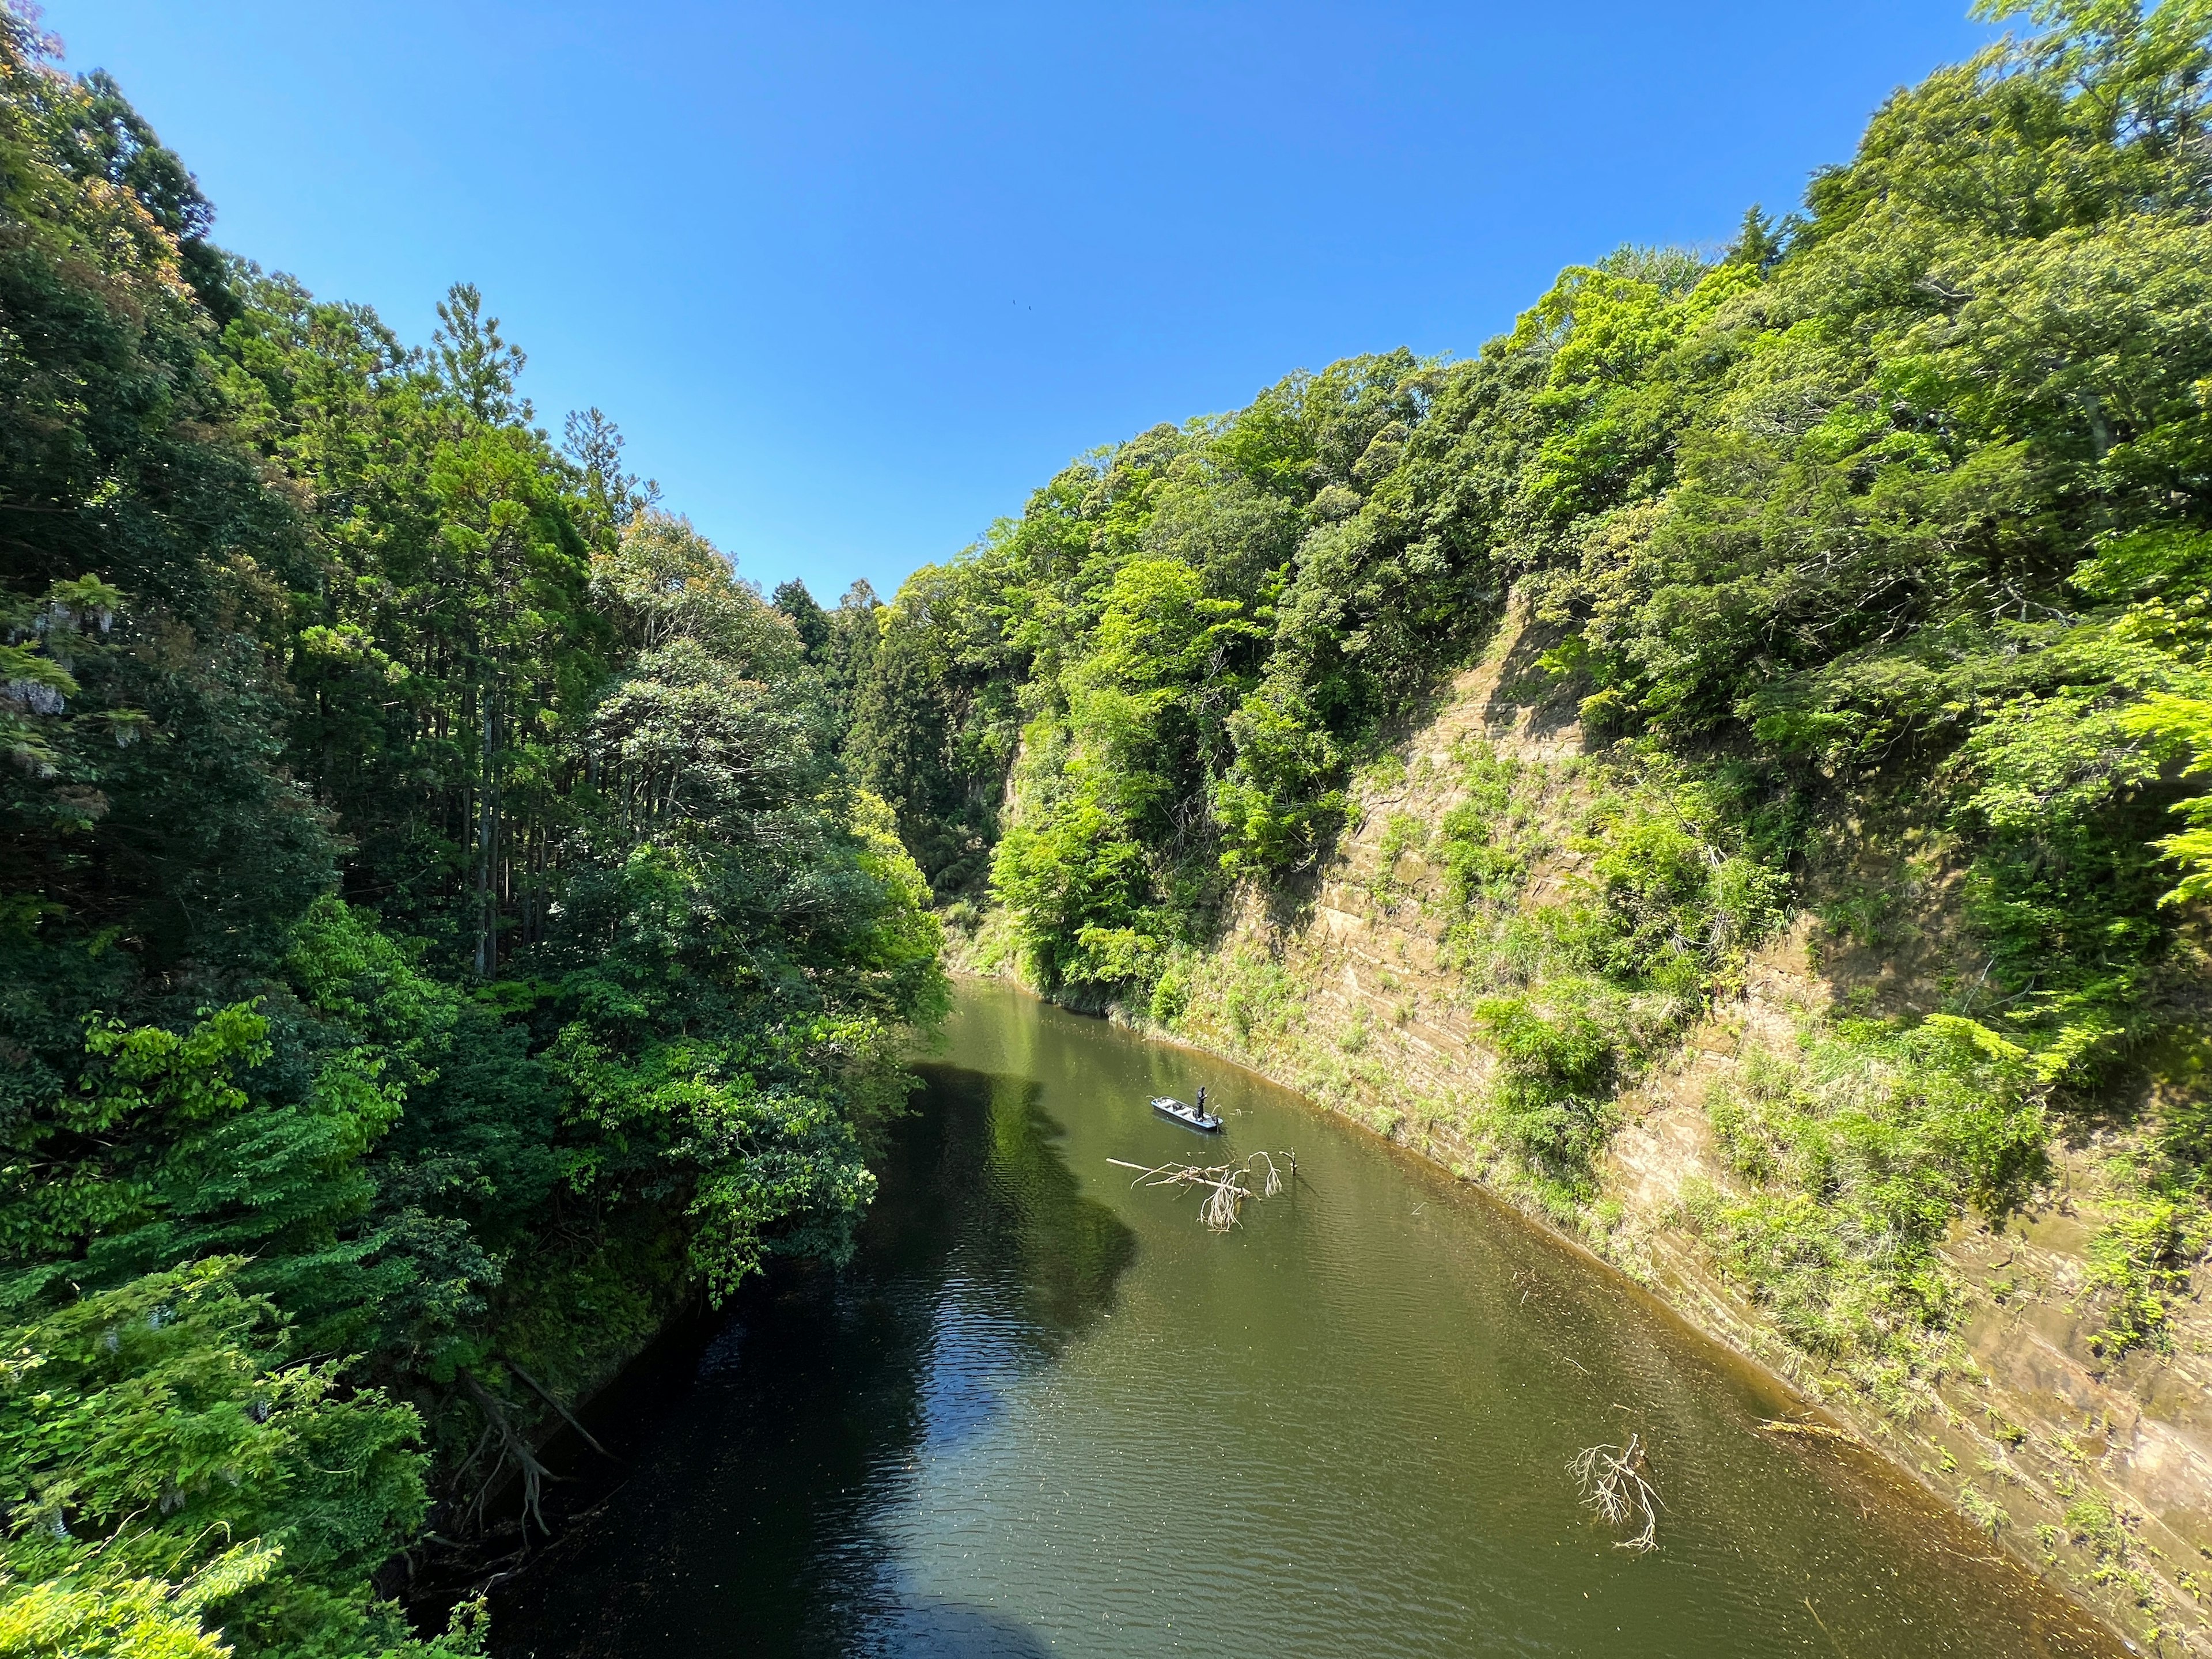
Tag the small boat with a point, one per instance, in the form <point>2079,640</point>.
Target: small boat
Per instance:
<point>1191,1117</point>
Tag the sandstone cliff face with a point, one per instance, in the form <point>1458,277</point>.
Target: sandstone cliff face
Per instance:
<point>2098,1472</point>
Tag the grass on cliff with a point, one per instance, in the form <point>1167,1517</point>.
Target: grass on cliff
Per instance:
<point>1858,1148</point>
<point>1590,908</point>
<point>1595,908</point>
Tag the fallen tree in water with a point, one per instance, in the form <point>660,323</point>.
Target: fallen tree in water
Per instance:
<point>1225,1185</point>
<point>1613,1484</point>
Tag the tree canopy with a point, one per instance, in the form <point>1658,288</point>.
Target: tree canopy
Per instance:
<point>435,928</point>
<point>445,913</point>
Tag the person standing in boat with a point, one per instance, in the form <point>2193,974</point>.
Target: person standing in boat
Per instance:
<point>1201,1100</point>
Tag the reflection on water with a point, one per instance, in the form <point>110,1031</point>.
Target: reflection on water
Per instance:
<point>1041,1412</point>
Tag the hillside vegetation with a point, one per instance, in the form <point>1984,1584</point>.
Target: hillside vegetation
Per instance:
<point>446,918</point>
<point>435,931</point>
<point>1868,559</point>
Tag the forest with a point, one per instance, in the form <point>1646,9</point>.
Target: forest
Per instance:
<point>448,919</point>
<point>437,933</point>
<point>1895,510</point>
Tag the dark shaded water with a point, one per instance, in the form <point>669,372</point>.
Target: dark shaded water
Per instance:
<point>1044,1413</point>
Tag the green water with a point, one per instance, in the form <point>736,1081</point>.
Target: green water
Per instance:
<point>1041,1412</point>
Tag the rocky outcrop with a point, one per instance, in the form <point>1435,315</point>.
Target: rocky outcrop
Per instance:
<point>2098,1472</point>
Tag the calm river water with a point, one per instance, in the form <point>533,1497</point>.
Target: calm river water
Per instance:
<point>1044,1413</point>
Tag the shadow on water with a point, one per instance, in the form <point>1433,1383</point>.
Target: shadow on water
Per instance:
<point>1003,1194</point>
<point>760,1448</point>
<point>1044,1410</point>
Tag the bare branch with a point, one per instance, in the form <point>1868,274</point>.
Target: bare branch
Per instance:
<point>1612,1484</point>
<point>544,1394</point>
<point>1225,1185</point>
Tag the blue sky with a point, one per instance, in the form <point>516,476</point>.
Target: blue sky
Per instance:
<point>853,279</point>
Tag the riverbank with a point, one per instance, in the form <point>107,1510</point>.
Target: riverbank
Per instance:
<point>2088,1460</point>
<point>1041,1411</point>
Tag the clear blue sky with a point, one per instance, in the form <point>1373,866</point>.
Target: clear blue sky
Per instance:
<point>855,278</point>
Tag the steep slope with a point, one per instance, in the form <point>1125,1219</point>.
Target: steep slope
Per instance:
<point>1729,765</point>
<point>2093,1466</point>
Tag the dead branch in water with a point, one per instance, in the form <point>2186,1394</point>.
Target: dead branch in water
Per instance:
<point>567,1416</point>
<point>1225,1185</point>
<point>1613,1484</point>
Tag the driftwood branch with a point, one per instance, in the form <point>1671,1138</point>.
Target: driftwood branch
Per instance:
<point>1612,1484</point>
<point>567,1416</point>
<point>1228,1187</point>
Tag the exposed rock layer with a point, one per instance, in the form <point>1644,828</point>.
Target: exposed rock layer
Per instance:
<point>2097,1473</point>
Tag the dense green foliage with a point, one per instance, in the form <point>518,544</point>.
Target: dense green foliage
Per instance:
<point>443,914</point>
<point>840,644</point>
<point>1859,1150</point>
<point>1899,511</point>
<point>1574,995</point>
<point>434,928</point>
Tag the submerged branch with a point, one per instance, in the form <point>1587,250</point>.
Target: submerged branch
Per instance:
<point>1613,1484</point>
<point>1225,1185</point>
<point>1810,1431</point>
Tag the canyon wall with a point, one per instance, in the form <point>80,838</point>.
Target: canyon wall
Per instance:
<point>2093,1468</point>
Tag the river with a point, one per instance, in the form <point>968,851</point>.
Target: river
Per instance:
<point>1042,1412</point>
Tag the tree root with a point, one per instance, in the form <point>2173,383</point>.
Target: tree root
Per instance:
<point>514,1450</point>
